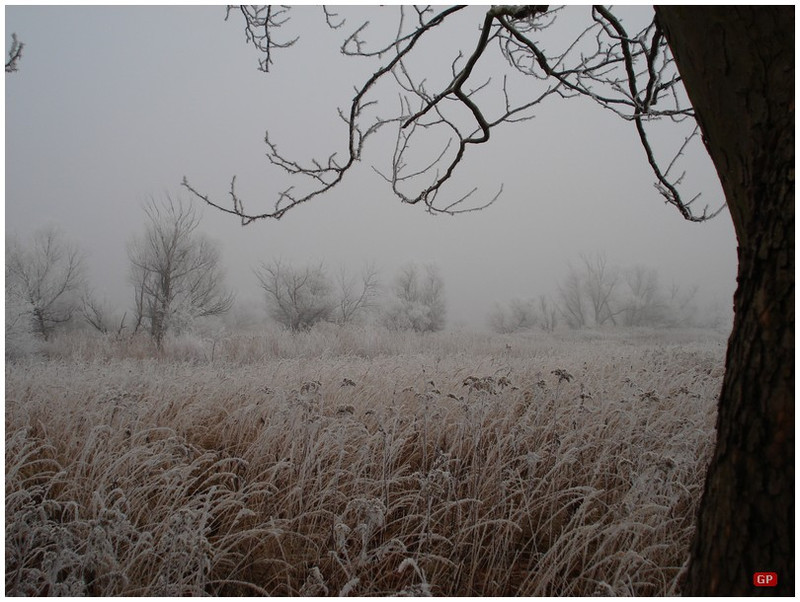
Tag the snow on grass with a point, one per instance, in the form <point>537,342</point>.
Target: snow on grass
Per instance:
<point>359,462</point>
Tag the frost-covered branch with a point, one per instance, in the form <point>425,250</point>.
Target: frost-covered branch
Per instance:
<point>629,73</point>
<point>14,54</point>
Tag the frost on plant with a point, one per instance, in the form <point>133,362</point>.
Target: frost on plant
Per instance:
<point>426,464</point>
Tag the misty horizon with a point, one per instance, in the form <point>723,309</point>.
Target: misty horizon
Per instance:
<point>114,106</point>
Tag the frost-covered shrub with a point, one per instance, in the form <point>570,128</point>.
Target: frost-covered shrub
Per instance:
<point>44,280</point>
<point>515,316</point>
<point>21,337</point>
<point>187,347</point>
<point>417,301</point>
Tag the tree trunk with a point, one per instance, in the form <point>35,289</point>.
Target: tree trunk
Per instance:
<point>738,67</point>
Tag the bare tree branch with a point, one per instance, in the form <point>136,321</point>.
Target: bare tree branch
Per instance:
<point>260,24</point>
<point>14,54</point>
<point>631,74</point>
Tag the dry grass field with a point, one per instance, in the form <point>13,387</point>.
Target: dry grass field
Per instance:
<point>359,462</point>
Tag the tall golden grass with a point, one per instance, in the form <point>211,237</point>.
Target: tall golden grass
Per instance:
<point>359,462</point>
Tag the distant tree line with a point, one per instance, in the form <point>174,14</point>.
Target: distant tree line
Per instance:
<point>297,298</point>
<point>594,294</point>
<point>177,277</point>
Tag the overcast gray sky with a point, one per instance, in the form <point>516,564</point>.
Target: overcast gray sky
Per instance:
<point>113,105</point>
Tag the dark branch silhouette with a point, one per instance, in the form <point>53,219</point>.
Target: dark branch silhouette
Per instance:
<point>630,74</point>
<point>14,54</point>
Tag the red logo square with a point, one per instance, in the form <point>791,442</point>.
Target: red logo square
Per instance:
<point>765,579</point>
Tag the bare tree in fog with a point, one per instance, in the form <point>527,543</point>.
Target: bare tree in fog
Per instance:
<point>100,316</point>
<point>643,303</point>
<point>297,298</point>
<point>356,294</point>
<point>681,304</point>
<point>589,293</point>
<point>597,294</point>
<point>175,271</point>
<point>44,280</point>
<point>548,313</point>
<point>417,302</point>
<point>515,316</point>
<point>737,66</point>
<point>571,295</point>
<point>524,314</point>
<point>600,283</point>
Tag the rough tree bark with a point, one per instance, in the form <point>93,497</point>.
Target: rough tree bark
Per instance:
<point>738,67</point>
